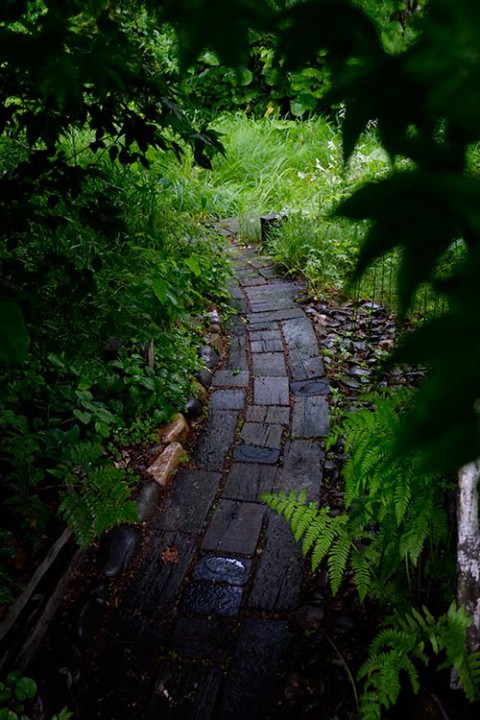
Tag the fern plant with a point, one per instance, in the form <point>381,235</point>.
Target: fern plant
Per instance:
<point>409,640</point>
<point>393,511</point>
<point>394,525</point>
<point>96,493</point>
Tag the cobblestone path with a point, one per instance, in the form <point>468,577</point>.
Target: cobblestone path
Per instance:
<point>206,635</point>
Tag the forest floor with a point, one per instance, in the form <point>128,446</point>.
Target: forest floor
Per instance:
<point>219,617</point>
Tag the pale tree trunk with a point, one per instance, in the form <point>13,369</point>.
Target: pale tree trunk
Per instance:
<point>468,550</point>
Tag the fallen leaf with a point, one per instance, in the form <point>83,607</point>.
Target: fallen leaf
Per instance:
<point>170,555</point>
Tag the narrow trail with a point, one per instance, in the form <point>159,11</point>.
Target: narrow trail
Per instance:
<point>202,629</point>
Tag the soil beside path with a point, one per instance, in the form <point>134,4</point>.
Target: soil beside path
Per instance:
<point>202,629</point>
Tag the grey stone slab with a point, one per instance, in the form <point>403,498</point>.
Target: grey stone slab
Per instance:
<point>268,272</point>
<point>130,627</point>
<point>257,325</point>
<point>256,454</point>
<point>203,638</point>
<point>279,575</point>
<point>187,505</point>
<point>207,598</point>
<point>184,691</point>
<point>310,417</point>
<point>274,302</point>
<point>300,335</point>
<point>256,413</point>
<point>271,391</point>
<point>228,399</point>
<point>310,387</point>
<point>275,315</point>
<point>302,468</point>
<point>231,378</point>
<point>261,346</point>
<point>215,441</point>
<point>247,481</point>
<point>302,367</point>
<point>217,568</point>
<point>263,291</point>
<point>279,415</point>
<point>271,364</point>
<point>234,527</point>
<point>155,587</point>
<point>262,434</point>
<point>254,280</point>
<point>235,290</point>
<point>253,684</point>
<point>117,550</point>
<point>256,335</point>
<point>237,354</point>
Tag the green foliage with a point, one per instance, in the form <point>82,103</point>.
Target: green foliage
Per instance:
<point>409,640</point>
<point>394,512</point>
<point>15,693</point>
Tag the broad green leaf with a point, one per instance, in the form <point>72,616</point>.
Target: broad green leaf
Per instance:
<point>193,264</point>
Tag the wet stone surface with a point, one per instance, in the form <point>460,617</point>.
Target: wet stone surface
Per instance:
<point>310,387</point>
<point>227,399</point>
<point>214,444</point>
<point>155,586</point>
<point>205,598</point>
<point>186,507</point>
<point>256,454</point>
<point>253,682</point>
<point>272,364</point>
<point>222,569</point>
<point>237,356</point>
<point>231,378</point>
<point>271,391</point>
<point>203,638</point>
<point>234,527</point>
<point>182,692</point>
<point>302,468</point>
<point>279,574</point>
<point>263,435</point>
<point>147,501</point>
<point>260,346</point>
<point>275,315</point>
<point>246,481</point>
<point>310,417</point>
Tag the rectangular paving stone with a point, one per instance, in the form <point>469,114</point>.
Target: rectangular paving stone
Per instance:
<point>215,441</point>
<point>271,364</point>
<point>231,378</point>
<point>310,417</point>
<point>155,587</point>
<point>256,413</point>
<point>255,280</point>
<point>247,481</point>
<point>271,303</point>
<point>237,354</point>
<point>255,326</point>
<point>217,568</point>
<point>185,508</point>
<point>277,582</point>
<point>184,691</point>
<point>253,684</point>
<point>261,346</point>
<point>303,352</point>
<point>227,399</point>
<point>279,415</point>
<point>268,272</point>
<point>256,335</point>
<point>234,527</point>
<point>302,468</point>
<point>208,598</point>
<point>235,290</point>
<point>284,288</point>
<point>275,315</point>
<point>271,391</point>
<point>256,454</point>
<point>203,638</point>
<point>263,435</point>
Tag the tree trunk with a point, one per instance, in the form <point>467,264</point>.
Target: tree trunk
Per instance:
<point>468,549</point>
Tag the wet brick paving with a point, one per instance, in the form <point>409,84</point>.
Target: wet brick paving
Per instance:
<point>205,635</point>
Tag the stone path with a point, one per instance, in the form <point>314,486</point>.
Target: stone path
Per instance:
<point>202,630</point>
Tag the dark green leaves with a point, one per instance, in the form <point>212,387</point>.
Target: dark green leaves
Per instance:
<point>14,339</point>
